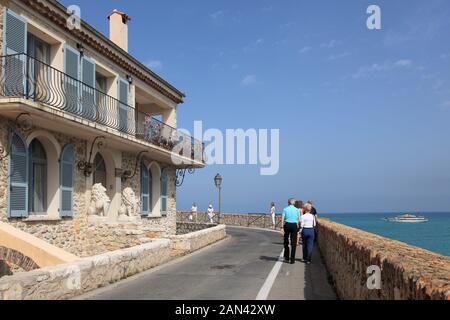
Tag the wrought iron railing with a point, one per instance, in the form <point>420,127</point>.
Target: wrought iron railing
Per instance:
<point>25,77</point>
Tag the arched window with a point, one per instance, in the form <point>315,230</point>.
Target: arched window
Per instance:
<point>99,170</point>
<point>67,180</point>
<point>164,193</point>
<point>18,178</point>
<point>38,178</point>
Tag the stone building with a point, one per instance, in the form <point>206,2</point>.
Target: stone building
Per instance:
<point>89,150</point>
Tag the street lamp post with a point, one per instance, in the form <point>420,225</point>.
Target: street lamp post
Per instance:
<point>218,183</point>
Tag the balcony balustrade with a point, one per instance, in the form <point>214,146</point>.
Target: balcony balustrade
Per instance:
<point>22,76</point>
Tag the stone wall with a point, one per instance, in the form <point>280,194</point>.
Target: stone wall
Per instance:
<point>69,280</point>
<point>193,241</point>
<point>235,219</point>
<point>407,272</point>
<point>80,235</point>
<point>188,227</point>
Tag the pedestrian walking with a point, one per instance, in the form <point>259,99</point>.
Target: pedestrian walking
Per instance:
<point>308,225</point>
<point>300,206</point>
<point>193,215</point>
<point>273,215</point>
<point>290,221</point>
<point>211,213</point>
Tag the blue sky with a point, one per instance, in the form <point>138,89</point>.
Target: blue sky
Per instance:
<point>363,115</point>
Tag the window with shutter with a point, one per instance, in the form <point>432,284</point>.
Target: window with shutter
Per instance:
<point>145,191</point>
<point>71,86</point>
<point>67,180</point>
<point>164,193</point>
<point>123,105</point>
<point>89,108</point>
<point>18,178</point>
<point>15,38</point>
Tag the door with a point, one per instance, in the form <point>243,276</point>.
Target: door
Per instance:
<point>38,69</point>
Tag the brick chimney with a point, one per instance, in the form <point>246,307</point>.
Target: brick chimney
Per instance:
<point>118,28</point>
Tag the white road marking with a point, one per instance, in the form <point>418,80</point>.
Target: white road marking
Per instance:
<point>267,286</point>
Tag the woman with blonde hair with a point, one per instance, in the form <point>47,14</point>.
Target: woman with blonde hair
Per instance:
<point>308,225</point>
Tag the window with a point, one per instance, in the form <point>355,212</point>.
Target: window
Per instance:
<point>18,178</point>
<point>99,170</point>
<point>123,105</point>
<point>164,183</point>
<point>67,180</point>
<point>15,38</point>
<point>145,190</point>
<point>38,178</point>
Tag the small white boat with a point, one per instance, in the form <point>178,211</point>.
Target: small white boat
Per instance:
<point>408,218</point>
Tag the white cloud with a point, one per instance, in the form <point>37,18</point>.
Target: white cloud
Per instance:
<point>254,45</point>
<point>304,50</point>
<point>248,80</point>
<point>377,67</point>
<point>330,44</point>
<point>217,14</point>
<point>338,56</point>
<point>155,64</point>
<point>403,63</point>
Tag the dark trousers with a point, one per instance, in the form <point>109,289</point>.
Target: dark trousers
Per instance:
<point>290,233</point>
<point>308,236</point>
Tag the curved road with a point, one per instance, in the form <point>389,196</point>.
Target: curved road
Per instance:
<point>243,267</point>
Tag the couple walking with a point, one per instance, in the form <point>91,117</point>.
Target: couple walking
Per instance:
<point>292,220</point>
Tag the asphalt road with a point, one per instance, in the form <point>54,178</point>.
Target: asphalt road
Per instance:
<point>239,268</point>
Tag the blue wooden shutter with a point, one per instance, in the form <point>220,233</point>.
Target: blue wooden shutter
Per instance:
<point>123,105</point>
<point>71,85</point>
<point>15,45</point>
<point>67,180</point>
<point>18,178</point>
<point>88,88</point>
<point>145,195</point>
<point>164,193</point>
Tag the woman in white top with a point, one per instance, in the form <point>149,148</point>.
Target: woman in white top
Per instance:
<point>193,212</point>
<point>308,225</point>
<point>272,214</point>
<point>211,213</point>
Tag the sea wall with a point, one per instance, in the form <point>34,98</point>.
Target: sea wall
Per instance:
<point>407,272</point>
<point>235,219</point>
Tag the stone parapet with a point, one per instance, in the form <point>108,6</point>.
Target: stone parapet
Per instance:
<point>73,279</point>
<point>407,272</point>
<point>193,241</point>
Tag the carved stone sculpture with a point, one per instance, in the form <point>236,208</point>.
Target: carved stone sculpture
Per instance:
<point>99,201</point>
<point>130,204</point>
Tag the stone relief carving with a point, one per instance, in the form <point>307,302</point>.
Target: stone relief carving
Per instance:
<point>99,201</point>
<point>130,204</point>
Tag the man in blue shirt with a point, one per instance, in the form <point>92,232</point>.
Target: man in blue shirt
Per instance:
<point>290,220</point>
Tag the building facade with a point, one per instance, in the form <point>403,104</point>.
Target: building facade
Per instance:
<point>89,150</point>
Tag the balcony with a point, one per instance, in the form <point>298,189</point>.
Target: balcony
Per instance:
<point>22,76</point>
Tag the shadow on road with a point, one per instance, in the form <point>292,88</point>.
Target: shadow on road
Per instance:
<point>266,258</point>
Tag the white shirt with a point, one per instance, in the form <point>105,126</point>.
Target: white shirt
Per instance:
<point>194,209</point>
<point>308,221</point>
<point>210,211</point>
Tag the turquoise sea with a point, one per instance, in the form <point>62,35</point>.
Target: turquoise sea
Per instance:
<point>433,235</point>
